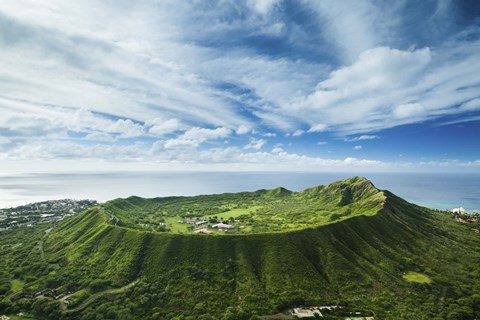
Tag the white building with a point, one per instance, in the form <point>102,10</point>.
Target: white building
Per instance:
<point>306,312</point>
<point>222,226</point>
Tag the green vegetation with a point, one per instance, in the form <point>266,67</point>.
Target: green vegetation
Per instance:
<point>263,211</point>
<point>235,213</point>
<point>17,285</point>
<point>345,244</point>
<point>411,276</point>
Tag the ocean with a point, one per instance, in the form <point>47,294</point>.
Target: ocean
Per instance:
<point>440,191</point>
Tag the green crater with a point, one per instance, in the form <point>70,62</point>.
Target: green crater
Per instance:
<point>262,211</point>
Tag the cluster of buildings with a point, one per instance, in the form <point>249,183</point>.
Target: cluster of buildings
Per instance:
<point>462,216</point>
<point>196,221</point>
<point>42,212</point>
<point>312,312</point>
<point>315,312</point>
<point>201,225</point>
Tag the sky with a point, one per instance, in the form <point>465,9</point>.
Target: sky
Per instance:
<point>342,85</point>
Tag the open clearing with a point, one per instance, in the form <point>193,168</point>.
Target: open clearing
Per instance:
<point>17,285</point>
<point>175,226</point>
<point>234,213</point>
<point>97,295</point>
<point>416,277</point>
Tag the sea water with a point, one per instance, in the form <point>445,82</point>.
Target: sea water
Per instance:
<point>441,191</point>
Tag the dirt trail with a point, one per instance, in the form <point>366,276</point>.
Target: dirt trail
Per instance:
<point>94,297</point>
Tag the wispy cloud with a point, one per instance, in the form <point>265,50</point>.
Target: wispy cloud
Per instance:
<point>362,137</point>
<point>298,133</point>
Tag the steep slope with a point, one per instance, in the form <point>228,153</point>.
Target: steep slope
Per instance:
<point>358,258</point>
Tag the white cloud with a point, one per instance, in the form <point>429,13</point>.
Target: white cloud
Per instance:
<point>277,150</point>
<point>362,137</point>
<point>388,87</point>
<point>256,144</point>
<point>410,110</point>
<point>321,143</point>
<point>354,26</point>
<point>126,128</point>
<point>378,69</point>
<point>270,135</point>
<point>298,133</point>
<point>175,143</point>
<point>471,105</point>
<point>159,127</point>
<point>203,134</point>
<point>262,6</point>
<point>359,147</point>
<point>242,130</point>
<point>368,137</point>
<point>178,154</point>
<point>320,127</point>
<point>120,75</point>
<point>26,119</point>
<point>192,138</point>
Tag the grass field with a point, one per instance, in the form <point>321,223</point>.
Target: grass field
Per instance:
<point>416,277</point>
<point>175,226</point>
<point>234,213</point>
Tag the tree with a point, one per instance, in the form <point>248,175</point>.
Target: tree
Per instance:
<point>46,309</point>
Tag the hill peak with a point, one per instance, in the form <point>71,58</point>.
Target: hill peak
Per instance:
<point>278,192</point>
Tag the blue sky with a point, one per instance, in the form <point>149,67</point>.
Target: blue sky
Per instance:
<point>240,85</point>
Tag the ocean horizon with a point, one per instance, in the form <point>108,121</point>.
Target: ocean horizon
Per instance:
<point>433,190</point>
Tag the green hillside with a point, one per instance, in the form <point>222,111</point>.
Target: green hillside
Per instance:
<point>346,244</point>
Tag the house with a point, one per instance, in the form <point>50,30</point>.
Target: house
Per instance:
<point>467,220</point>
<point>61,295</point>
<point>306,312</point>
<point>458,210</point>
<point>196,221</point>
<point>330,308</point>
<point>41,292</point>
<point>223,226</point>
